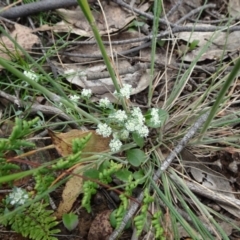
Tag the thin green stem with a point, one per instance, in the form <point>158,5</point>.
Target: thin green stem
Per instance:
<point>88,14</point>
<point>157,11</point>
<point>220,97</point>
<point>38,66</point>
<point>45,91</point>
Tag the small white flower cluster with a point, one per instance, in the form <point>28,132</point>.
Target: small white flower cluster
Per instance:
<point>154,116</point>
<point>86,93</point>
<point>128,124</point>
<point>17,197</point>
<point>74,98</point>
<point>136,123</point>
<point>32,75</point>
<point>118,116</point>
<point>104,130</point>
<point>125,91</point>
<point>125,123</point>
<point>105,103</point>
<point>115,145</point>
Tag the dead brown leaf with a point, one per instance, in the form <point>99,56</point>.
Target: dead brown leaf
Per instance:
<point>70,193</point>
<point>63,144</point>
<point>23,36</point>
<point>222,42</point>
<point>93,50</point>
<point>63,141</point>
<point>81,76</point>
<point>234,8</point>
<point>75,21</point>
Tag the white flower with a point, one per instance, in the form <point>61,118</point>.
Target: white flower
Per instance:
<point>136,123</point>
<point>143,131</point>
<point>155,117</point>
<point>136,113</point>
<point>104,130</point>
<point>32,75</point>
<point>130,125</point>
<point>105,103</point>
<point>115,145</point>
<point>18,196</point>
<point>119,115</point>
<point>125,91</point>
<point>86,93</point>
<point>74,98</point>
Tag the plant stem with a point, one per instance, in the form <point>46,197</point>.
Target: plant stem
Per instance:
<point>45,91</point>
<point>87,12</point>
<point>157,11</point>
<point>221,94</point>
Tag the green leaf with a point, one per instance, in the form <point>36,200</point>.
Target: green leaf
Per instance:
<point>139,175</point>
<point>123,175</point>
<point>138,140</point>
<point>136,157</point>
<point>104,165</point>
<point>91,173</point>
<point>113,220</point>
<point>162,117</point>
<point>220,97</point>
<point>70,220</point>
<point>193,45</point>
<point>136,23</point>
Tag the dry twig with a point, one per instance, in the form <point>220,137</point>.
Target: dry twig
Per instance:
<point>34,108</point>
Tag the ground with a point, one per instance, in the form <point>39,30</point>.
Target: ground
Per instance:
<point>191,69</point>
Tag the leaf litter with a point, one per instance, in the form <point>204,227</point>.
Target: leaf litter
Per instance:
<point>63,144</point>
<point>23,36</point>
<point>117,18</point>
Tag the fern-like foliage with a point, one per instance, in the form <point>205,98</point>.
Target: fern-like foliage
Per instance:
<point>36,222</point>
<point>14,142</point>
<point>43,179</point>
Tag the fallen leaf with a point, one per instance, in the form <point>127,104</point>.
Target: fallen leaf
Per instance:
<point>93,49</point>
<point>93,77</point>
<point>222,42</point>
<point>63,141</point>
<point>234,8</point>
<point>23,36</point>
<point>63,144</point>
<point>210,179</point>
<point>75,21</point>
<point>70,193</point>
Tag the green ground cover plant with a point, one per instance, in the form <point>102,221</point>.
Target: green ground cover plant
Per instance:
<point>133,158</point>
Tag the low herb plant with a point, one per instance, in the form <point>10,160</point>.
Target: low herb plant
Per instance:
<point>136,134</point>
<point>124,126</point>
<point>31,218</point>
